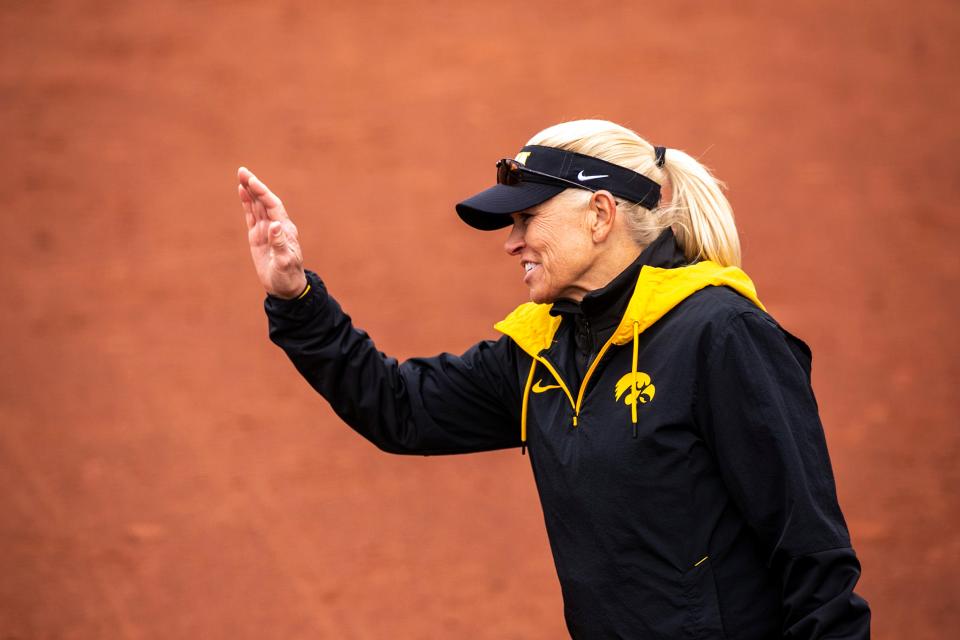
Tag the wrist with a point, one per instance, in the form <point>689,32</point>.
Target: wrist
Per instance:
<point>315,302</point>
<point>296,294</point>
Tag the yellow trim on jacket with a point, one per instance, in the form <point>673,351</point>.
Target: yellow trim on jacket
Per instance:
<point>657,291</point>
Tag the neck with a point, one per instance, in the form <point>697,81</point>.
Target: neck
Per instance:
<point>608,266</point>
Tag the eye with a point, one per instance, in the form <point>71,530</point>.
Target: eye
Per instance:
<point>521,219</point>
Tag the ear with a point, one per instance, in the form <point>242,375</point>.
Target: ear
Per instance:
<point>603,206</point>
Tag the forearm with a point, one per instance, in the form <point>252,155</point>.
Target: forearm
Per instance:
<point>434,405</point>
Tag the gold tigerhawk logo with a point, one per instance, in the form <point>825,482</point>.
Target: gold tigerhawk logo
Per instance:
<point>640,389</point>
<point>522,157</point>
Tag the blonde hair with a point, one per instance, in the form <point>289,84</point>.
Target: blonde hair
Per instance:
<point>697,211</point>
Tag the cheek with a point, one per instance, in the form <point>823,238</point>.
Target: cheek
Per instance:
<point>565,245</point>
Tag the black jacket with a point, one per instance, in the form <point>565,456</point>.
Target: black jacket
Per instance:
<point>674,439</point>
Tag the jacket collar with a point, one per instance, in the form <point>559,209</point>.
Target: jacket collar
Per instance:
<point>656,291</point>
<point>605,306</point>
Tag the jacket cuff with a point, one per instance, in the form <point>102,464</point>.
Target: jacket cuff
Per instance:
<point>297,310</point>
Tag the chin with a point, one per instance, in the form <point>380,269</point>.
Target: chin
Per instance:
<point>541,297</point>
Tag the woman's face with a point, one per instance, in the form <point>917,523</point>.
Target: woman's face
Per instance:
<point>554,247</point>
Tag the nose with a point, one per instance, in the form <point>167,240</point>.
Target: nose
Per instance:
<point>514,244</point>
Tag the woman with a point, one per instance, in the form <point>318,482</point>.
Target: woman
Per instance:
<point>671,427</point>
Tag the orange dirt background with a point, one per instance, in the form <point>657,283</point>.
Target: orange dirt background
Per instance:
<point>164,472</point>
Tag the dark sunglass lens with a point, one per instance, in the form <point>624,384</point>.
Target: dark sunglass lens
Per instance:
<point>508,172</point>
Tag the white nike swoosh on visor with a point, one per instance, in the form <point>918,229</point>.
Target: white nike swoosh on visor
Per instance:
<point>582,177</point>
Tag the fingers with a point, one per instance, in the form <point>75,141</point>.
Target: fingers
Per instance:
<point>261,194</point>
<point>265,205</point>
<point>273,207</point>
<point>247,203</point>
<point>247,198</point>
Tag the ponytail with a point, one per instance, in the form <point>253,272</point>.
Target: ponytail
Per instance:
<point>697,210</point>
<point>701,214</point>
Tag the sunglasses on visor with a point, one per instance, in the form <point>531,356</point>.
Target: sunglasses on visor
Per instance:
<point>511,173</point>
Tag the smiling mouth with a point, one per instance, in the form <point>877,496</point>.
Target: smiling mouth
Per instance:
<point>528,269</point>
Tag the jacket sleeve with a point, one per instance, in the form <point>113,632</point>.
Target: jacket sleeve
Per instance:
<point>761,420</point>
<point>438,405</point>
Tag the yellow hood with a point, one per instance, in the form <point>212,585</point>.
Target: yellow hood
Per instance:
<point>657,291</point>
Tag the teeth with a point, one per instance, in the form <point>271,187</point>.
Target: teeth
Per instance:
<point>528,266</point>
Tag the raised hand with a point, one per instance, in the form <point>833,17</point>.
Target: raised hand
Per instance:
<point>274,244</point>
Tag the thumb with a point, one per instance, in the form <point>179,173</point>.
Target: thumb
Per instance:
<point>277,237</point>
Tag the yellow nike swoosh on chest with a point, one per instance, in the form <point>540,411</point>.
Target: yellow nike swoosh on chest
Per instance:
<point>537,388</point>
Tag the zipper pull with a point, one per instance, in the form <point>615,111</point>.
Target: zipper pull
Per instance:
<point>574,420</point>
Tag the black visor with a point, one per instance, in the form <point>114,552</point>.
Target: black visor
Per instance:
<point>539,173</point>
